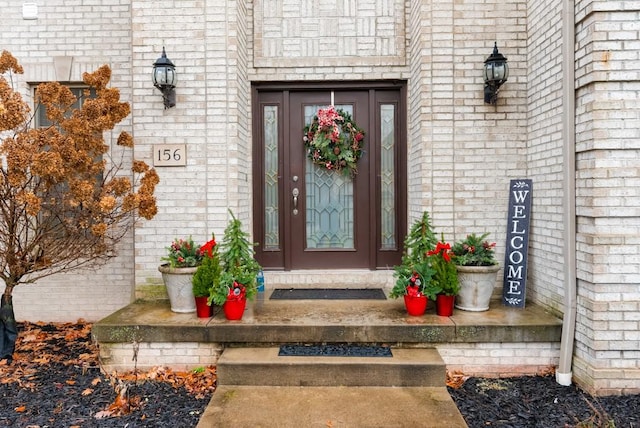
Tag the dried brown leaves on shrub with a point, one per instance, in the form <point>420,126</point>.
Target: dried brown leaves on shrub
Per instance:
<point>72,193</point>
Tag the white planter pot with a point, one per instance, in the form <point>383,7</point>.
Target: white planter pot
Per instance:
<point>179,287</point>
<point>476,287</point>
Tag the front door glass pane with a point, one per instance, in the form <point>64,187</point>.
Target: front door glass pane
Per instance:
<point>329,201</point>
<point>271,212</point>
<point>387,176</point>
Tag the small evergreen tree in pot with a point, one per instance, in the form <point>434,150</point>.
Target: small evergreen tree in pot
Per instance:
<point>239,267</point>
<point>415,269</point>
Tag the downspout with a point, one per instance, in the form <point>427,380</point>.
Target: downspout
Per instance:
<point>563,372</point>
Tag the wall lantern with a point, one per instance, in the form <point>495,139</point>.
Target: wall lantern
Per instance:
<point>496,72</point>
<point>164,78</point>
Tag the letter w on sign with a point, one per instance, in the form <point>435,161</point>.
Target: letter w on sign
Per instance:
<point>515,256</point>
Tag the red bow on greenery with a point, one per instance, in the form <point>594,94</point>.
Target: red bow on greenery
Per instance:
<point>207,249</point>
<point>237,292</point>
<point>413,289</point>
<point>441,248</point>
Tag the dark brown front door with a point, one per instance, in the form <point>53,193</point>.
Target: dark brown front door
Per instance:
<point>309,217</point>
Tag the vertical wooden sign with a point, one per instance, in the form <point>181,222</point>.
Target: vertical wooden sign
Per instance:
<point>517,246</point>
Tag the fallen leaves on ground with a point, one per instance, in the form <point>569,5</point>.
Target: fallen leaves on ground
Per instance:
<point>198,382</point>
<point>455,379</point>
<point>42,345</point>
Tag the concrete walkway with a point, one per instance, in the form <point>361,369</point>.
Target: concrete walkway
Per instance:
<point>331,407</point>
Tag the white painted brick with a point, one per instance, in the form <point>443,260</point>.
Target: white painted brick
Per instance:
<point>461,152</point>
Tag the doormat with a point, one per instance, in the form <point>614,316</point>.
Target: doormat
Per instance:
<point>336,350</point>
<point>328,294</point>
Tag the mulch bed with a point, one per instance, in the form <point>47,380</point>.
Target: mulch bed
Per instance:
<point>55,381</point>
<point>539,401</point>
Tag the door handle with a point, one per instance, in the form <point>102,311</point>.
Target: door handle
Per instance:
<point>295,192</point>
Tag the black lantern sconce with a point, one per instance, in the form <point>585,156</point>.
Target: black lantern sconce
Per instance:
<point>496,72</point>
<point>164,78</point>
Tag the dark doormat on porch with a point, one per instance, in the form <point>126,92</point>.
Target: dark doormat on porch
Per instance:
<point>335,350</point>
<point>328,294</point>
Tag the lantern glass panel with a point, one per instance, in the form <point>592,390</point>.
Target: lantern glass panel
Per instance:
<point>164,76</point>
<point>160,76</point>
<point>171,76</point>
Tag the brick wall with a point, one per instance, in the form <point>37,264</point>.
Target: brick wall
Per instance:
<point>486,359</point>
<point>462,153</point>
<point>500,360</point>
<point>85,37</point>
<point>294,33</point>
<point>544,152</point>
<point>122,357</point>
<point>607,357</point>
<point>182,192</point>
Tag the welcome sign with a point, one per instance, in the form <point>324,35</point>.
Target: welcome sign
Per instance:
<point>515,256</point>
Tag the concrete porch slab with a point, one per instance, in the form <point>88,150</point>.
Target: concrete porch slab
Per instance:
<point>308,321</point>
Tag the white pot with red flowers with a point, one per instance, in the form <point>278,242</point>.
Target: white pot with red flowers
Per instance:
<point>477,269</point>
<point>182,261</point>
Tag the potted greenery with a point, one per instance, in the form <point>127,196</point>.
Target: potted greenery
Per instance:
<point>414,274</point>
<point>238,274</point>
<point>445,278</point>
<point>206,275</point>
<point>183,258</point>
<point>475,261</point>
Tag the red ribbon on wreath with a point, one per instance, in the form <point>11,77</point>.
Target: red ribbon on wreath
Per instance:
<point>334,141</point>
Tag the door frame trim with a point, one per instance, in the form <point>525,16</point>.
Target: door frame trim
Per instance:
<point>284,88</point>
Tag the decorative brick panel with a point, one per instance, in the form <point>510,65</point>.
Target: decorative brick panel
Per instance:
<point>294,33</point>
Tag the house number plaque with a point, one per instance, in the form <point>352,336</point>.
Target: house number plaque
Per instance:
<point>170,155</point>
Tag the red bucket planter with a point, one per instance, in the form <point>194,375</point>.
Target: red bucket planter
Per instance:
<point>233,309</point>
<point>416,305</point>
<point>444,305</point>
<point>202,309</point>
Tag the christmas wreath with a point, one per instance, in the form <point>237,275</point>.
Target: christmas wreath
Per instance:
<point>334,141</point>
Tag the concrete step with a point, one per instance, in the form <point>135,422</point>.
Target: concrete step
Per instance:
<point>176,339</point>
<point>336,407</point>
<point>263,366</point>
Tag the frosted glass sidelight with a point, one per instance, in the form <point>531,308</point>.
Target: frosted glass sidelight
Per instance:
<point>271,213</point>
<point>387,176</point>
